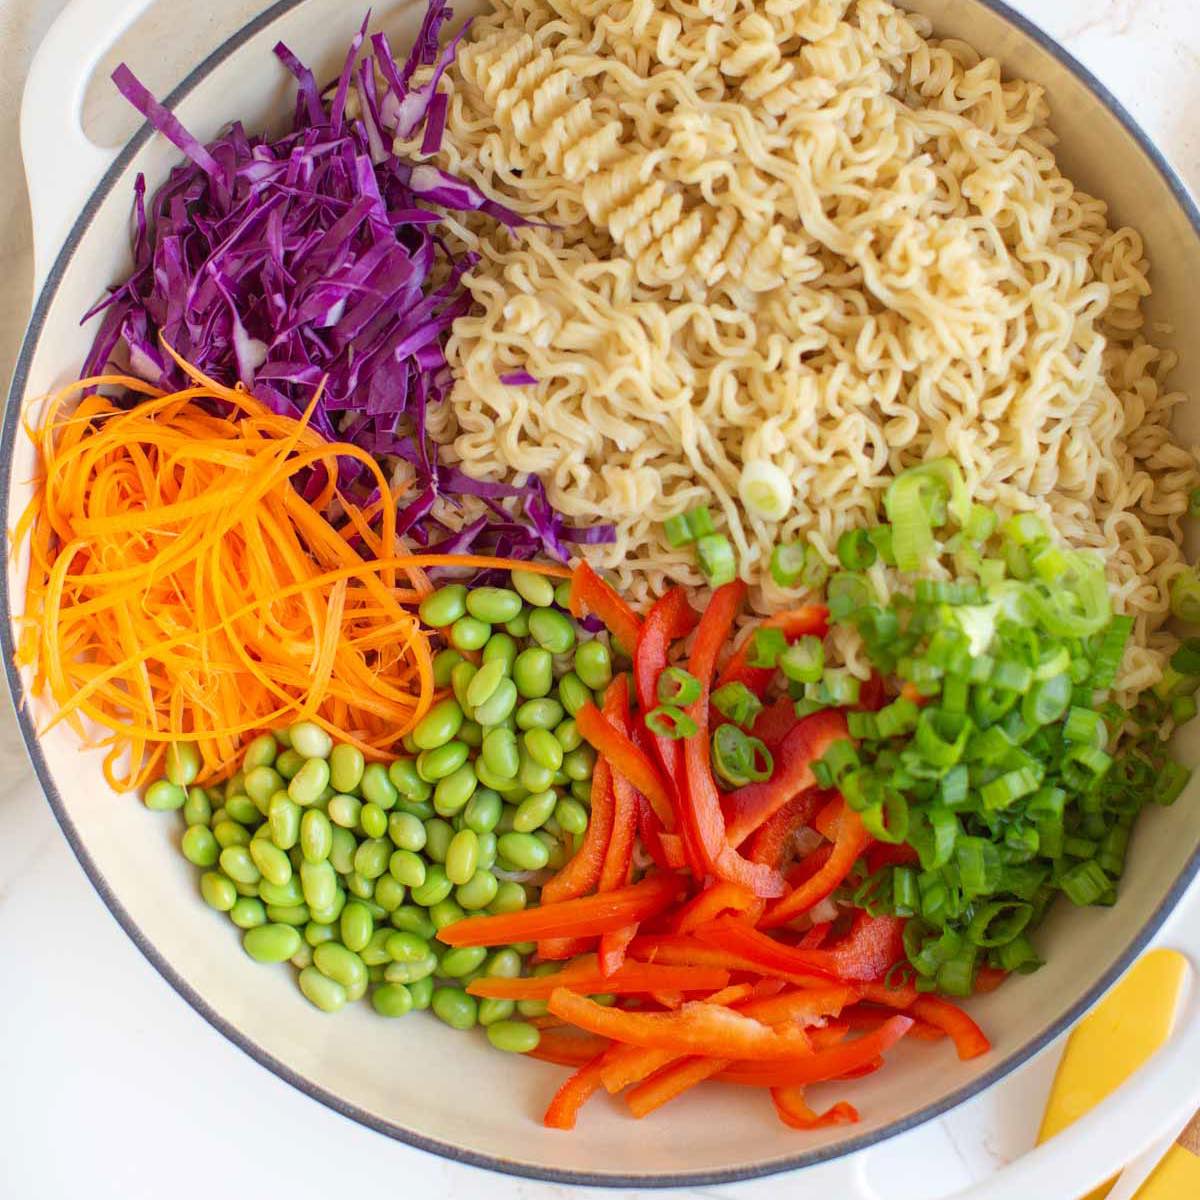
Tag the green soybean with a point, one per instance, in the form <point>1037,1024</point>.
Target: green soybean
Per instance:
<point>438,834</point>
<point>573,693</point>
<point>581,790</point>
<point>326,994</point>
<point>516,1037</point>
<point>562,594</point>
<point>534,589</point>
<point>289,762</point>
<point>501,648</point>
<point>306,786</point>
<point>341,850</point>
<point>469,633</point>
<point>498,706</point>
<point>533,672</point>
<point>391,1000</point>
<point>378,787</point>
<point>421,991</point>
<point>478,892</point>
<point>495,605</point>
<point>318,881</point>
<point>303,958</point>
<point>571,816</point>
<point>284,818</point>
<point>444,662</point>
<point>402,775</point>
<point>533,776</point>
<point>556,856</point>
<point>371,857</point>
<point>199,846</point>
<point>543,747</point>
<point>445,606</point>
<point>390,893</point>
<point>452,793</point>
<point>518,627</point>
<point>197,808</point>
<point>374,820</point>
<point>242,809</point>
<point>273,864</point>
<point>233,785</point>
<point>409,973</point>
<point>483,811</point>
<point>504,964</point>
<point>218,891</point>
<point>345,810</point>
<point>499,752</point>
<point>462,856</point>
<point>316,836</point>
<point>524,851</point>
<point>287,893</point>
<point>315,934</point>
<point>238,865</point>
<point>335,961</point>
<point>552,630</point>
<point>261,784</point>
<point>271,943</point>
<point>445,912</point>
<point>539,714</point>
<point>487,850</point>
<point>593,664</point>
<point>374,953</point>
<point>568,735</point>
<point>346,767</point>
<point>260,753</point>
<point>356,925</point>
<point>439,725</point>
<point>579,763</point>
<point>406,947</point>
<point>310,740</point>
<point>164,796</point>
<point>485,681</point>
<point>460,680</point>
<point>492,1010</point>
<point>248,912</point>
<point>406,831</point>
<point>436,886</point>
<point>409,918</point>
<point>455,1007</point>
<point>289,914</point>
<point>360,885</point>
<point>181,764</point>
<point>534,811</point>
<point>462,961</point>
<point>436,764</point>
<point>472,734</point>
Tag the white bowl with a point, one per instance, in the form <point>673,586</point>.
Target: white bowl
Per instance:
<point>416,1079</point>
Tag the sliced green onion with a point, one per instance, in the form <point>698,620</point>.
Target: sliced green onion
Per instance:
<point>846,594</point>
<point>957,977</point>
<point>912,502</point>
<point>667,721</point>
<point>804,660</point>
<point>855,550</point>
<point>1017,955</point>
<point>700,523</point>
<point>906,897</point>
<point>838,687</point>
<point>1009,788</point>
<point>1171,781</point>
<point>998,922</point>
<point>978,862</point>
<point>739,759</point>
<point>787,563</point>
<point>980,524</point>
<point>1024,529</point>
<point>941,736</point>
<point>1186,660</point>
<point>1107,659</point>
<point>714,552</point>
<point>888,820</point>
<point>881,539</point>
<point>839,758</point>
<point>677,686</point>
<point>1085,883</point>
<point>1045,702</point>
<point>1183,709</point>
<point>896,718</point>
<point>678,531</point>
<point>1085,727</point>
<point>766,645</point>
<point>1185,597</point>
<point>737,703</point>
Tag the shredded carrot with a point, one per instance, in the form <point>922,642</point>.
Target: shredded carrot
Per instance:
<point>181,587</point>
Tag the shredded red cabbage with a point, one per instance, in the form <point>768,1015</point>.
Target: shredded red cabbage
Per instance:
<point>283,262</point>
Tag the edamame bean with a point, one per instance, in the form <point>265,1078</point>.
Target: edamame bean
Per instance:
<point>568,735</point>
<point>452,793</point>
<point>438,834</point>
<point>484,682</point>
<point>303,958</point>
<point>421,991</point>
<point>462,856</point>
<point>273,864</point>
<point>487,850</point>
<point>331,913</point>
<point>327,994</point>
<point>552,630</point>
<point>504,964</point>
<point>498,706</point>
<point>505,824</point>
<point>409,918</point>
<point>444,662</point>
<point>358,884</point>
<point>492,1010</point>
<point>501,648</point>
<point>356,925</point>
<point>371,857</point>
<point>261,784</point>
<point>238,865</point>
<point>571,816</point>
<point>462,961</point>
<point>472,734</point>
<point>436,886</point>
<point>345,768</point>
<point>234,785</point>
<point>374,820</point>
<point>573,693</point>
<point>543,747</point>
<point>579,763</point>
<point>593,664</point>
<point>439,725</point>
<point>199,846</point>
<point>271,943</point>
<point>535,589</point>
<point>433,765</point>
<point>493,782</point>
<point>460,680</point>
<point>533,776</point>
<point>377,786</point>
<point>494,605</point>
<point>554,849</point>
<point>315,934</point>
<point>445,606</point>
<point>444,913</point>
<point>197,808</point>
<point>391,1000</point>
<point>260,753</point>
<point>407,868</point>
<point>390,893</point>
<point>469,633</point>
<point>523,850</point>
<point>248,912</point>
<point>532,1008</point>
<point>344,810</point>
<point>402,775</point>
<point>318,880</point>
<point>242,809</point>
<point>534,811</point>
<point>289,762</point>
<point>289,914</point>
<point>539,714</point>
<point>341,850</point>
<point>455,1007</point>
<point>335,961</point>
<point>499,752</point>
<point>516,1037</point>
<point>410,973</point>
<point>218,891</point>
<point>478,892</point>
<point>406,831</point>
<point>374,953</point>
<point>518,627</point>
<point>562,594</point>
<point>581,790</point>
<point>483,811</point>
<point>310,740</point>
<point>181,764</point>
<point>288,893</point>
<point>164,796</point>
<point>316,836</point>
<point>533,672</point>
<point>306,786</point>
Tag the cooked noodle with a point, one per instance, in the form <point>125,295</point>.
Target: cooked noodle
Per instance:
<point>808,233</point>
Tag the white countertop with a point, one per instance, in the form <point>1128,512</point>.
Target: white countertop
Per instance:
<point>112,1087</point>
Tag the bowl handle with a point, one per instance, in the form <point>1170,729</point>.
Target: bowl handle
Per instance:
<point>62,164</point>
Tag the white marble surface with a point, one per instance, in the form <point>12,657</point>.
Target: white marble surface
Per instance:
<point>111,1087</point>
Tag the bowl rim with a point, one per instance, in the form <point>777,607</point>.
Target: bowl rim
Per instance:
<point>449,1150</point>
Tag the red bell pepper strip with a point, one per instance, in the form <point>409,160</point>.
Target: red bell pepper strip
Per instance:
<point>772,840</point>
<point>626,758</point>
<point>827,818</point>
<point>794,1112</point>
<point>748,807</point>
<point>885,854</point>
<point>868,1016</point>
<point>665,848</point>
<point>870,949</point>
<point>988,979</point>
<point>618,859</point>
<point>819,1065</point>
<point>804,1005</point>
<point>673,851</point>
<point>589,593</point>
<point>775,722</point>
<point>969,1040</point>
<point>852,840</point>
<point>687,951</point>
<point>582,872</point>
<point>738,938</point>
<point>631,1064</point>
<point>716,899</point>
<point>814,939</point>
<point>568,1047</point>
<point>613,945</point>
<point>573,1095</point>
<point>829,1034</point>
<point>809,620</point>
<point>586,977</point>
<point>560,949</point>
<point>583,917</point>
<point>872,695</point>
<point>670,1081</point>
<point>710,1030</point>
